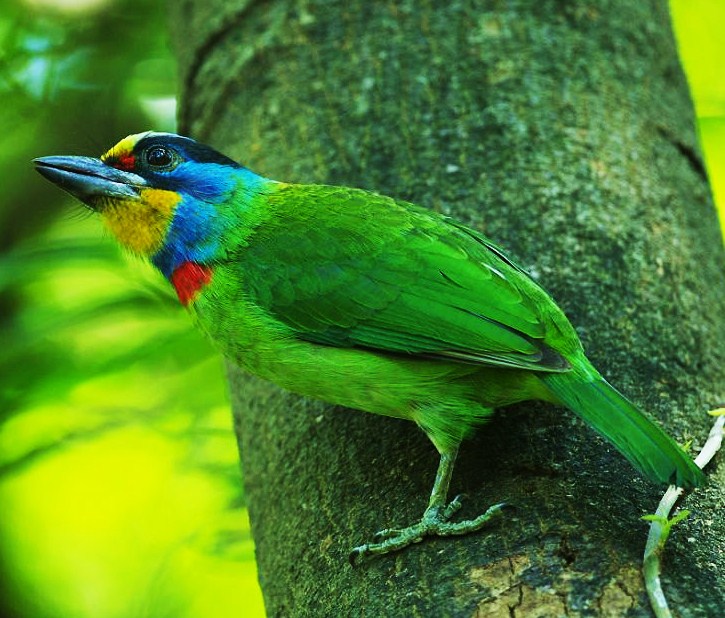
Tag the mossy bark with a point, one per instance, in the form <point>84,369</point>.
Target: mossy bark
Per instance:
<point>565,131</point>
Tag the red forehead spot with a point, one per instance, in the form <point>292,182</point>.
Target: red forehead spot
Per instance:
<point>125,162</point>
<point>188,279</point>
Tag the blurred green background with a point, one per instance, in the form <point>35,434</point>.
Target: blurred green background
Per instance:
<point>119,482</point>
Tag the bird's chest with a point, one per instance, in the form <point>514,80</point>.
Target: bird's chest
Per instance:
<point>189,280</point>
<point>218,300</point>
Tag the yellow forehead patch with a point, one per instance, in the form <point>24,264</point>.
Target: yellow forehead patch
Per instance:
<point>140,224</point>
<point>124,147</point>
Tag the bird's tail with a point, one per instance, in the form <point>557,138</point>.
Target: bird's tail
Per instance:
<point>643,443</point>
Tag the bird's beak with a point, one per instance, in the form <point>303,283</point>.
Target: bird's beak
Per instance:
<point>90,179</point>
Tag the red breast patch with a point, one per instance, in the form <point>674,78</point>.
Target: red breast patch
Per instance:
<point>188,279</point>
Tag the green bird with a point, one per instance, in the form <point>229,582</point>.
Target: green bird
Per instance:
<point>359,300</point>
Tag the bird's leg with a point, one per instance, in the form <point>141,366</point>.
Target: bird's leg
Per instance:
<point>435,519</point>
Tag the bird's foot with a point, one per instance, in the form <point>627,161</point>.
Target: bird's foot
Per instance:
<point>433,523</point>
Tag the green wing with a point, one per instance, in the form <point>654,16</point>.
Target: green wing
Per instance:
<point>348,268</point>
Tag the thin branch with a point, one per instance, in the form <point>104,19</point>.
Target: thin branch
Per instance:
<point>661,524</point>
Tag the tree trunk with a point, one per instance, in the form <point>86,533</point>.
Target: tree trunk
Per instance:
<point>565,131</point>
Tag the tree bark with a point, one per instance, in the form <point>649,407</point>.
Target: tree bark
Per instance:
<point>565,131</point>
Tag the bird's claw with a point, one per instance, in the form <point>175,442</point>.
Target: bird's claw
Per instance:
<point>453,506</point>
<point>433,523</point>
<point>386,533</point>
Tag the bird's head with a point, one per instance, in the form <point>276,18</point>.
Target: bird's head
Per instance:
<point>163,196</point>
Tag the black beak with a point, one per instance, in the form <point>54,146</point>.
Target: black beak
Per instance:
<point>89,179</point>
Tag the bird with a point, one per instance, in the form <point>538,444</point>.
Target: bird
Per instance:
<point>359,300</point>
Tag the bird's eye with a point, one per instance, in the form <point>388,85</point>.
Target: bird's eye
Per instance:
<point>160,158</point>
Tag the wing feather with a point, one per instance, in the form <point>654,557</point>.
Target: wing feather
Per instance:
<point>347,268</point>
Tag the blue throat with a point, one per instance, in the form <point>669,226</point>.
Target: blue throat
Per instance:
<point>199,224</point>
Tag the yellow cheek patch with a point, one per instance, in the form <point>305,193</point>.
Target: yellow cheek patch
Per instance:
<point>141,224</point>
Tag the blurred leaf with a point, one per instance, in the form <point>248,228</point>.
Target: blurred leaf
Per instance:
<point>119,472</point>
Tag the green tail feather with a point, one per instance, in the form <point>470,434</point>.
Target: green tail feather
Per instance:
<point>643,443</point>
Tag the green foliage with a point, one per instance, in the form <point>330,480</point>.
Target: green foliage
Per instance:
<point>698,27</point>
<point>118,468</point>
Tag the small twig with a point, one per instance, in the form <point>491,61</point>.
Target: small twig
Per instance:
<point>661,524</point>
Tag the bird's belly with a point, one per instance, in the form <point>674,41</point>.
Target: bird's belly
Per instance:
<point>349,377</point>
